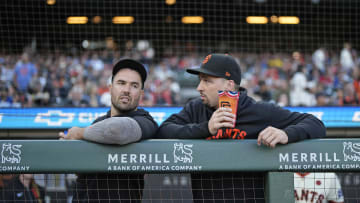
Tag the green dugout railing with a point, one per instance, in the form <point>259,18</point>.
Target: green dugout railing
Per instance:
<point>175,156</point>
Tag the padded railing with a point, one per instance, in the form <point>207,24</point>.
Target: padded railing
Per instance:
<point>174,156</point>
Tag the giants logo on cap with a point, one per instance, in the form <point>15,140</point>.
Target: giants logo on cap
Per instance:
<point>207,59</point>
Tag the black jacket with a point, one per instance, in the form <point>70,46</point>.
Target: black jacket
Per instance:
<point>104,187</point>
<point>252,117</point>
<point>15,191</point>
<point>146,122</point>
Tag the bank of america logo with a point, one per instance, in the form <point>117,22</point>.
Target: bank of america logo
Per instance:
<point>11,153</point>
<point>183,153</point>
<point>351,151</point>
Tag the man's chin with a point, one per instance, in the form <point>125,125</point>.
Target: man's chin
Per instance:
<point>124,108</point>
<point>206,103</point>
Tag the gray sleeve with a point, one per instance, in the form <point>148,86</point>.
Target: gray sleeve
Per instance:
<point>114,130</point>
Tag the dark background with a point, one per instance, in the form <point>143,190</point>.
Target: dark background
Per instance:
<point>329,23</point>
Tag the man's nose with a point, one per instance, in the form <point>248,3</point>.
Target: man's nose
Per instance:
<point>200,87</point>
<point>126,88</point>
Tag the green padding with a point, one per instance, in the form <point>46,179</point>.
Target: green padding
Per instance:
<point>279,187</point>
<point>41,156</point>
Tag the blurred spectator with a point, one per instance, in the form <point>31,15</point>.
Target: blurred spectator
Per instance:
<point>283,100</point>
<point>22,188</point>
<point>170,92</point>
<point>175,90</point>
<point>38,96</point>
<point>263,92</point>
<point>94,98</point>
<point>299,95</point>
<point>158,92</point>
<point>19,100</point>
<point>103,86</point>
<point>298,60</point>
<point>339,97</point>
<point>5,99</point>
<point>356,83</point>
<point>6,72</point>
<point>105,97</point>
<point>346,58</point>
<point>54,79</point>
<point>96,65</point>
<point>322,99</point>
<point>327,78</point>
<point>77,97</point>
<point>319,59</point>
<point>349,96</point>
<point>147,100</point>
<point>24,73</point>
<point>163,71</point>
<point>9,98</point>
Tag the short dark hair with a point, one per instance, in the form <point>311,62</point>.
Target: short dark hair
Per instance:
<point>133,65</point>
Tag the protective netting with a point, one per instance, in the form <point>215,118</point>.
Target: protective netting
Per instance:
<point>63,54</point>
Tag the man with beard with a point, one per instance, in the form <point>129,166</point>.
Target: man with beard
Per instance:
<point>202,118</point>
<point>128,124</point>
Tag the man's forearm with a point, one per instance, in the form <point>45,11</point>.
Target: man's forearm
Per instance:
<point>179,131</point>
<point>115,130</point>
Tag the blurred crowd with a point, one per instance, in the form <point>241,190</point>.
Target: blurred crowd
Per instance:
<point>322,78</point>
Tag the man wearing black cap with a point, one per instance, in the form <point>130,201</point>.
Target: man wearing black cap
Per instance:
<point>201,118</point>
<point>127,124</point>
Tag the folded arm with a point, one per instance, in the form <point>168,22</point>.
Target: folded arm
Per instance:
<point>115,130</point>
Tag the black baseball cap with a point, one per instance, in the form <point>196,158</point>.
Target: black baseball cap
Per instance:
<point>131,64</point>
<point>219,65</point>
